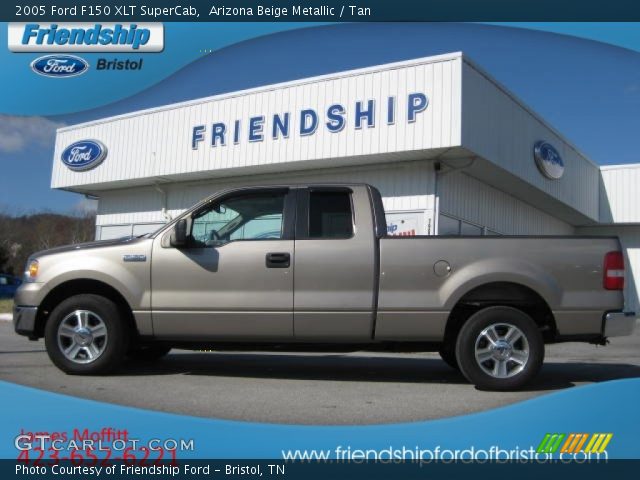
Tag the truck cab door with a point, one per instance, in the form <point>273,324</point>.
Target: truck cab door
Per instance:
<point>335,265</point>
<point>233,280</point>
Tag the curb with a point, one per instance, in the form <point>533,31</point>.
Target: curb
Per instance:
<point>6,317</point>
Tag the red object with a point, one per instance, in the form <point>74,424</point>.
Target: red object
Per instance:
<point>613,278</point>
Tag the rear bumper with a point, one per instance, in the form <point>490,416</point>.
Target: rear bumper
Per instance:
<point>619,324</point>
<point>24,320</point>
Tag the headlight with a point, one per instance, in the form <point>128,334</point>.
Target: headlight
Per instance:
<point>31,271</point>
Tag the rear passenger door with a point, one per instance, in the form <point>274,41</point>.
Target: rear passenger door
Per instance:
<point>334,274</point>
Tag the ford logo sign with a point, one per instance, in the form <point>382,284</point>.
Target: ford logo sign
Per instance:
<point>59,66</point>
<point>548,160</point>
<point>84,155</point>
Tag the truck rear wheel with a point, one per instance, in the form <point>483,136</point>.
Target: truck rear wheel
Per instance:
<point>85,335</point>
<point>500,348</point>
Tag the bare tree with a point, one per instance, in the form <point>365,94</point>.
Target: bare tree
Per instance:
<point>83,228</point>
<point>4,258</point>
<point>23,235</point>
<point>44,231</point>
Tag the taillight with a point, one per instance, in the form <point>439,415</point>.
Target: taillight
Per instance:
<point>613,271</point>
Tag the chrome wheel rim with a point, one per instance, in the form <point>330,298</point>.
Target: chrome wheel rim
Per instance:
<point>502,350</point>
<point>82,336</point>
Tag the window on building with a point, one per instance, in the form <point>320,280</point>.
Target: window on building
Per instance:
<point>245,217</point>
<point>330,215</point>
<point>145,228</point>
<point>450,225</point>
<point>470,229</point>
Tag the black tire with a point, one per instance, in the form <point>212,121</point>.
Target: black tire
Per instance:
<point>448,354</point>
<point>112,345</point>
<point>149,352</point>
<point>522,358</point>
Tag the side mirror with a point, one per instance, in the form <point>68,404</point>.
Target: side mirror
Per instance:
<point>179,234</point>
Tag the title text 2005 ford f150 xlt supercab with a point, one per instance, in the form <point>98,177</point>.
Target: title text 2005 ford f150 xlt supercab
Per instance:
<point>311,266</point>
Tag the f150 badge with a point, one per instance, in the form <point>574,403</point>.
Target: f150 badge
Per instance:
<point>134,258</point>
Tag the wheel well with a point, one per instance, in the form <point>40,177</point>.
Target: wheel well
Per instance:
<point>501,293</point>
<point>77,287</point>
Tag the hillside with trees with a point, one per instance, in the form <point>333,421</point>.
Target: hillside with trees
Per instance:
<point>20,236</point>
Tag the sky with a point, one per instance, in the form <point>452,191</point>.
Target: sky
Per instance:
<point>589,91</point>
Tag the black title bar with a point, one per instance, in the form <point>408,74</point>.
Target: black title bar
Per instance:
<point>319,10</point>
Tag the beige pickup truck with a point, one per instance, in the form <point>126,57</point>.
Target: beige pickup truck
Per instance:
<point>312,267</point>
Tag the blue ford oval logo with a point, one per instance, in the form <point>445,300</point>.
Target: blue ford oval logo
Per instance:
<point>59,66</point>
<point>548,160</point>
<point>84,155</point>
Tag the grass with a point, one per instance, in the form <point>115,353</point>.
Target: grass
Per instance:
<point>6,306</point>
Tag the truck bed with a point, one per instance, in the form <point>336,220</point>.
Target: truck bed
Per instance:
<point>418,273</point>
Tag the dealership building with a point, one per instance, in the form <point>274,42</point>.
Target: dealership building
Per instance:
<point>452,151</point>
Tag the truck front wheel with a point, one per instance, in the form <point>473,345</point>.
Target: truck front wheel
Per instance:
<point>500,348</point>
<point>85,335</point>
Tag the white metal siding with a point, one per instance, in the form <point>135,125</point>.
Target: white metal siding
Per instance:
<point>130,206</point>
<point>108,232</point>
<point>501,129</point>
<point>157,143</point>
<point>404,187</point>
<point>472,200</point>
<point>620,194</point>
<point>143,228</point>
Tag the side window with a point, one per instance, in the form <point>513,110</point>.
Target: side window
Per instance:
<point>330,215</point>
<point>245,217</point>
<point>4,281</point>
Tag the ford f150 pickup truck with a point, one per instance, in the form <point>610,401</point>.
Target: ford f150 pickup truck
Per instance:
<point>312,267</point>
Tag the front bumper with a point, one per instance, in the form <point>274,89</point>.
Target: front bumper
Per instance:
<point>24,320</point>
<point>25,310</point>
<point>619,324</point>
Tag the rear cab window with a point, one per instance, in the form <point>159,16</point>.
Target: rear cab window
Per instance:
<point>330,215</point>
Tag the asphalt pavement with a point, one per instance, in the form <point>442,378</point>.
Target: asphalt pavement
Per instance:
<point>314,388</point>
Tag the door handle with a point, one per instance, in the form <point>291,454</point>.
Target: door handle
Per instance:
<point>278,260</point>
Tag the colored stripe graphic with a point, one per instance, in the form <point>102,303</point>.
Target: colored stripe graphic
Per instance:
<point>569,444</point>
<point>550,443</point>
<point>600,443</point>
<point>574,442</point>
<point>582,442</point>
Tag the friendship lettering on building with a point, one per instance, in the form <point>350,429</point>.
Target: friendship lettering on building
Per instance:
<point>335,118</point>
